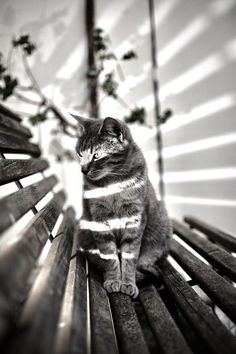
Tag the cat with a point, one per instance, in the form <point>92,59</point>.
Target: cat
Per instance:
<point>124,230</point>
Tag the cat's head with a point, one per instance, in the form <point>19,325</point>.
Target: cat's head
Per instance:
<point>103,147</point>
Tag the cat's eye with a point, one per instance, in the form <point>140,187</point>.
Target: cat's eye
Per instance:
<point>97,155</point>
<point>80,155</point>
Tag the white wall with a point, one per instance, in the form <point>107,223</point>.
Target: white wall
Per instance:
<point>196,53</point>
<point>197,58</point>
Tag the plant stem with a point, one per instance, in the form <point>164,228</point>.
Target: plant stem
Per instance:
<point>122,102</point>
<point>26,99</point>
<point>31,75</point>
<point>102,99</point>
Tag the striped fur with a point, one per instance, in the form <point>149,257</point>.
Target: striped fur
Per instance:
<point>125,231</point>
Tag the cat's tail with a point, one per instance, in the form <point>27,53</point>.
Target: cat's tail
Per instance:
<point>147,276</point>
<point>151,274</point>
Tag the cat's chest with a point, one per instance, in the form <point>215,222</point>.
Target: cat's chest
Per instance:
<point>118,205</point>
<point>112,204</point>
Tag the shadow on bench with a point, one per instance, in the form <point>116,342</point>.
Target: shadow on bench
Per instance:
<point>50,302</point>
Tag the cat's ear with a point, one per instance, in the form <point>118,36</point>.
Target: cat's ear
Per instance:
<point>82,123</point>
<point>112,127</point>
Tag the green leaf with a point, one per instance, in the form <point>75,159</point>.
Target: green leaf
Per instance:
<point>22,40</point>
<point>99,40</point>
<point>165,116</point>
<point>7,86</point>
<point>29,48</point>
<point>107,56</point>
<point>38,118</point>
<point>136,115</point>
<point>109,85</point>
<point>2,69</point>
<point>2,66</point>
<point>130,54</point>
<point>25,42</point>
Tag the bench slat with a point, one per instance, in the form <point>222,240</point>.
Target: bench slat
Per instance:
<point>11,170</point>
<point>102,332</point>
<point>15,205</point>
<point>217,256</point>
<point>213,333</point>
<point>167,334</point>
<point>226,240</point>
<point>72,330</point>
<point>129,333</point>
<point>219,290</point>
<point>13,144</point>
<point>11,126</point>
<point>9,113</point>
<point>18,258</point>
<point>78,340</point>
<point>39,319</point>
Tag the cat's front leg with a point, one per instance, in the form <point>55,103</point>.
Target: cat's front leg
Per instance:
<point>130,248</point>
<point>111,265</point>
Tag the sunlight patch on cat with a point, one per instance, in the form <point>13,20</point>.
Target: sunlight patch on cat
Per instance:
<point>101,255</point>
<point>127,255</point>
<point>113,188</point>
<point>122,223</point>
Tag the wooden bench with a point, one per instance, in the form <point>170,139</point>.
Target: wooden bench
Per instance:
<point>50,302</point>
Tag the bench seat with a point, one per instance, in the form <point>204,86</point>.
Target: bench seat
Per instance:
<point>52,302</point>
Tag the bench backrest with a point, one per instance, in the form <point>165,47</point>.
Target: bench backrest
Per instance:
<point>32,275</point>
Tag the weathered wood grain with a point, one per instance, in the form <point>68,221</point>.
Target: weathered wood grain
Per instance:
<point>78,340</point>
<point>15,205</point>
<point>11,170</point>
<point>13,144</point>
<point>219,290</point>
<point>128,331</point>
<point>102,334</point>
<point>9,113</point>
<point>167,334</point>
<point>214,254</point>
<point>18,258</point>
<point>38,322</point>
<point>214,234</point>
<point>11,126</point>
<point>216,338</point>
<point>72,332</point>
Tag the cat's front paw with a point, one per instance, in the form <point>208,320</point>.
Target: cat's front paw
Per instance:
<point>112,286</point>
<point>129,289</point>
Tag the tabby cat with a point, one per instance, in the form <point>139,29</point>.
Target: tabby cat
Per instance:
<point>124,230</point>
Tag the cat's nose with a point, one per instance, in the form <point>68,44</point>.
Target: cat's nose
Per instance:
<point>85,169</point>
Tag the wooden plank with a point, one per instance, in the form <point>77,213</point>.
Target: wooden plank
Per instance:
<point>37,326</point>
<point>9,113</point>
<point>11,170</point>
<point>13,144</point>
<point>167,334</point>
<point>219,290</point>
<point>214,234</point>
<point>214,254</point>
<point>72,330</point>
<point>128,331</point>
<point>216,338</point>
<point>18,258</point>
<point>15,205</point>
<point>11,126</point>
<point>102,333</point>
